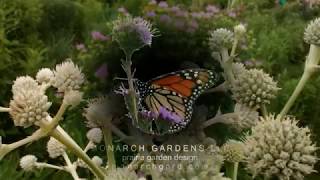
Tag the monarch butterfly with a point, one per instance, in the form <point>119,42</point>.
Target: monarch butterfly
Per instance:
<point>175,93</point>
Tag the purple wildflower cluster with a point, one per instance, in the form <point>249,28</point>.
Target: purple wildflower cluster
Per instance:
<point>98,36</point>
<point>178,17</point>
<point>164,114</point>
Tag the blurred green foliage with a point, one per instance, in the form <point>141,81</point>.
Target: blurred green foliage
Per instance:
<point>35,34</point>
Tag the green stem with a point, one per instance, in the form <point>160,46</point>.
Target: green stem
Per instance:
<point>235,170</point>
<point>71,145</point>
<point>232,170</point>
<point>46,165</point>
<point>226,64</point>
<point>4,109</point>
<point>108,143</point>
<point>6,148</point>
<point>264,110</point>
<point>311,62</point>
<point>71,168</point>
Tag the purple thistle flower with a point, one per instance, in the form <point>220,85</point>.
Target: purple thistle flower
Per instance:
<point>163,4</point>
<point>151,14</point>
<point>81,47</point>
<point>143,28</point>
<point>149,114</point>
<point>171,116</point>
<point>165,18</point>
<point>98,36</point>
<point>137,27</point>
<point>102,71</point>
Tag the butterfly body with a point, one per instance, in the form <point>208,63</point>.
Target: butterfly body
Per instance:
<point>176,93</point>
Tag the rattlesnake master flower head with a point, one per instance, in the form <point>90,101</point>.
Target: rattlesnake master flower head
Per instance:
<point>253,88</point>
<point>245,117</point>
<point>100,111</point>
<point>72,97</point>
<point>205,165</point>
<point>233,151</point>
<point>28,162</point>
<point>29,104</point>
<point>55,148</point>
<point>97,160</point>
<point>312,32</point>
<point>45,75</point>
<point>121,174</point>
<point>239,30</point>
<point>280,148</point>
<point>95,135</point>
<point>220,38</point>
<point>68,76</point>
<point>23,82</point>
<point>133,33</point>
<point>238,68</point>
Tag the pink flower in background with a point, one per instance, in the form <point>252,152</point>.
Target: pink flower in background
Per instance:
<point>151,14</point>
<point>163,4</point>
<point>232,14</point>
<point>153,2</point>
<point>212,9</point>
<point>175,9</point>
<point>102,71</point>
<point>81,47</point>
<point>165,18</point>
<point>98,36</point>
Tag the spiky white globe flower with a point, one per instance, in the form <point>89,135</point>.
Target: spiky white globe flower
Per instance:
<point>133,33</point>
<point>100,111</point>
<point>45,75</point>
<point>29,104</point>
<point>121,174</point>
<point>68,76</point>
<point>72,97</point>
<point>95,135</point>
<point>97,160</point>
<point>280,148</point>
<point>239,30</point>
<point>28,162</point>
<point>233,151</point>
<point>220,38</point>
<point>238,68</point>
<point>205,165</point>
<point>55,148</point>
<point>253,88</point>
<point>23,82</point>
<point>312,32</point>
<point>245,117</point>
